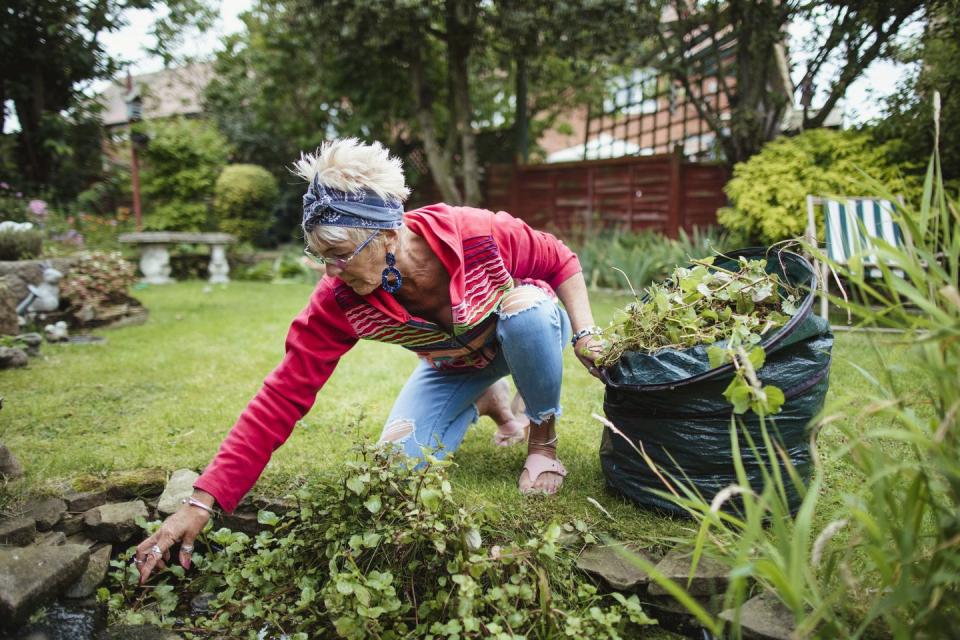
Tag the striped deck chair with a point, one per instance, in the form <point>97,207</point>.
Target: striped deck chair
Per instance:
<point>851,225</point>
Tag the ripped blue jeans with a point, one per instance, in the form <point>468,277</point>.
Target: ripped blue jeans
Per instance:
<point>435,408</point>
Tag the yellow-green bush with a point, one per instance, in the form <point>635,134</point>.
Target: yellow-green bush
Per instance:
<point>244,198</point>
<point>181,165</point>
<point>768,191</point>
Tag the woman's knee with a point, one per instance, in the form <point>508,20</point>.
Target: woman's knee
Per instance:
<point>520,299</point>
<point>397,431</point>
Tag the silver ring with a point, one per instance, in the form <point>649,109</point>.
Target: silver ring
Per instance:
<point>186,548</point>
<point>137,561</point>
<point>157,551</point>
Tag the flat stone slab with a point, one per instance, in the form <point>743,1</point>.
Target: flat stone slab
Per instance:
<point>70,524</point>
<point>18,531</point>
<point>12,358</point>
<point>33,576</point>
<point>80,501</point>
<point>764,618</point>
<point>10,467</point>
<point>140,632</point>
<point>169,237</point>
<point>179,486</point>
<point>114,522</point>
<point>612,563</point>
<point>94,574</point>
<point>82,539</point>
<point>709,578</point>
<point>122,485</point>
<point>46,512</point>
<point>51,538</point>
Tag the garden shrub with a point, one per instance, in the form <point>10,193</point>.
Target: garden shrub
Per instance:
<point>97,280</point>
<point>20,245</point>
<point>768,191</point>
<point>181,165</point>
<point>380,551</point>
<point>645,256</point>
<point>244,198</point>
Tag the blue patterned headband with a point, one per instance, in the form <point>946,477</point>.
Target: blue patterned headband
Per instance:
<point>365,209</point>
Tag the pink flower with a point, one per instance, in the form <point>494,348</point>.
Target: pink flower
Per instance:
<point>4,185</point>
<point>38,208</point>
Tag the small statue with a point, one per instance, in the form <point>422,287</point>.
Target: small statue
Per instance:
<point>56,332</point>
<point>45,297</point>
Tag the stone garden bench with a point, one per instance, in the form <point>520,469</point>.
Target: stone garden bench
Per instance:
<point>155,259</point>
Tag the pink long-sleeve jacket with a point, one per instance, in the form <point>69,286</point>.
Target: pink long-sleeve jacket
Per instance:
<point>485,254</point>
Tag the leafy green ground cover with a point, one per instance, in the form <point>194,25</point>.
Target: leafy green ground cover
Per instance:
<point>165,393</point>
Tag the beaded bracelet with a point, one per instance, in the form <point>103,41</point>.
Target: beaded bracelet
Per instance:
<point>193,502</point>
<point>589,331</point>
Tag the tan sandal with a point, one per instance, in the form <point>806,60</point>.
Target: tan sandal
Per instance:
<point>536,465</point>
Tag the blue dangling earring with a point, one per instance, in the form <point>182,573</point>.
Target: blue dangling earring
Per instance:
<point>391,286</point>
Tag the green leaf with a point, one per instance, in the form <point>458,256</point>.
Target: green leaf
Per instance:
<point>430,498</point>
<point>716,355</point>
<point>268,518</point>
<point>355,484</point>
<point>775,398</point>
<point>757,357</point>
<point>373,504</point>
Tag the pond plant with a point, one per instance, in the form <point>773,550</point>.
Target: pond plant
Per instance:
<point>381,551</point>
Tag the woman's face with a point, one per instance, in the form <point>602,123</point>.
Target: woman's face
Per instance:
<point>363,271</point>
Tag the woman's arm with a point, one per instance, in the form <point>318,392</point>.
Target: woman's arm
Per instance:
<point>318,337</point>
<point>573,294</point>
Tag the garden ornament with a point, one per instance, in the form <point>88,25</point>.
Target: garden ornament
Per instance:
<point>46,296</point>
<point>10,225</point>
<point>56,332</point>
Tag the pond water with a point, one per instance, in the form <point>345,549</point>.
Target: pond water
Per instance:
<point>63,621</point>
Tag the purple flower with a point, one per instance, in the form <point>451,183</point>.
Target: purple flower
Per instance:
<point>4,185</point>
<point>71,236</point>
<point>19,195</point>
<point>39,209</point>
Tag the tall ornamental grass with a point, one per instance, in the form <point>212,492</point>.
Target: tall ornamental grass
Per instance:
<point>884,560</point>
<point>648,256</point>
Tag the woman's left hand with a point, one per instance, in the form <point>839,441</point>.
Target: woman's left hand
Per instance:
<point>588,349</point>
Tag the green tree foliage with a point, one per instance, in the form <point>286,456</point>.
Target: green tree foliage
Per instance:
<point>51,51</point>
<point>181,166</point>
<point>697,42</point>
<point>768,192</point>
<point>244,198</point>
<point>909,111</point>
<point>430,79</point>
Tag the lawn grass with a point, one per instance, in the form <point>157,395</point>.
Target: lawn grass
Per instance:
<point>164,394</point>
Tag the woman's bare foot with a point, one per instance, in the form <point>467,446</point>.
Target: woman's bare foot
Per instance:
<point>542,472</point>
<point>511,424</point>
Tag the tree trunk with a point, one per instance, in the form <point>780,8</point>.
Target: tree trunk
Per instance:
<point>520,119</point>
<point>460,36</point>
<point>437,159</point>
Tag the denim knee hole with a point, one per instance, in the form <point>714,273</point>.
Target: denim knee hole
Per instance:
<point>398,431</point>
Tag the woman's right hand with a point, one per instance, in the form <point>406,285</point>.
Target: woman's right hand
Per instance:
<point>183,526</point>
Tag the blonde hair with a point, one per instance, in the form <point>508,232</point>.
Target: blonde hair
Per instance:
<point>347,164</point>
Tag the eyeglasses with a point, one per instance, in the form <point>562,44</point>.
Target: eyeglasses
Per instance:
<point>338,262</point>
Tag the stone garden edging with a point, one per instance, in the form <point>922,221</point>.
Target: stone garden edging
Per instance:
<point>59,548</point>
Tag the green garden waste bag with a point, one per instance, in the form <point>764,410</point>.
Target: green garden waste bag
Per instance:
<point>672,403</point>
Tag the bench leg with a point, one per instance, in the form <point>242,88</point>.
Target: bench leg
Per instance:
<point>155,264</point>
<point>219,268</point>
